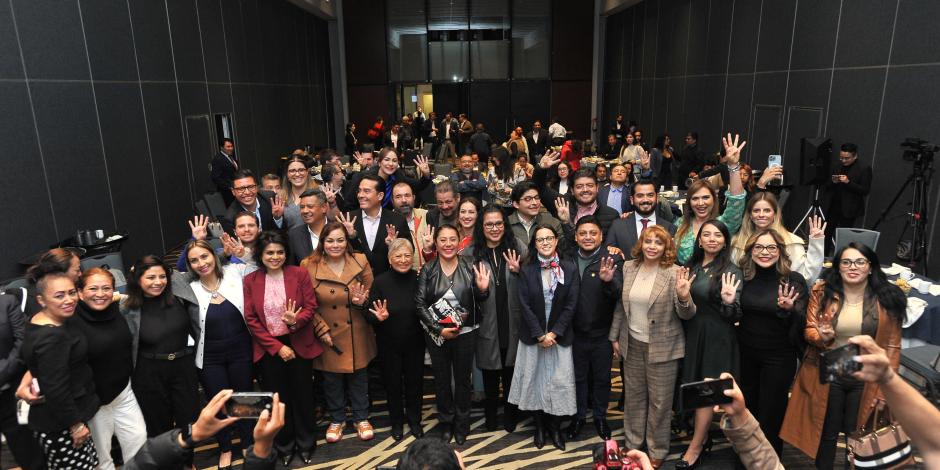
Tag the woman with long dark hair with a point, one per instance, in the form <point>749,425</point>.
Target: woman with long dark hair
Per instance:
<point>543,379</point>
<point>352,142</point>
<point>561,178</point>
<point>495,245</point>
<point>452,282</point>
<point>711,345</point>
<point>854,298</point>
<point>662,152</point>
<point>770,333</point>
<point>502,179</point>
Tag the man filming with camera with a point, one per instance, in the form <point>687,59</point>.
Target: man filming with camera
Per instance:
<point>845,191</point>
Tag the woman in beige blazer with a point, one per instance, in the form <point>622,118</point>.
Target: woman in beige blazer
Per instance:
<point>647,334</point>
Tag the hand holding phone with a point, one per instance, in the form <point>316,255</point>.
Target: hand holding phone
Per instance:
<point>705,394</point>
<point>838,363</point>
<point>248,404</point>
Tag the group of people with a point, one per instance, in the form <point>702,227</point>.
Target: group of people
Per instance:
<point>525,270</point>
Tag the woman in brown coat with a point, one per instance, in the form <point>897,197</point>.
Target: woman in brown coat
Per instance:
<point>341,282</point>
<point>853,299</point>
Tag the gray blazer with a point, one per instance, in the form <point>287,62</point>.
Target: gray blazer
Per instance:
<point>667,339</point>
<point>179,283</point>
<point>487,349</point>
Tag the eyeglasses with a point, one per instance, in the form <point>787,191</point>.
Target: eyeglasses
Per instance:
<point>296,171</point>
<point>547,239</point>
<point>858,263</point>
<point>492,225</point>
<point>245,189</point>
<point>768,248</point>
<point>528,199</point>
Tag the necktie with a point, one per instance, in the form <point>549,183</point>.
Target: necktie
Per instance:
<point>645,222</point>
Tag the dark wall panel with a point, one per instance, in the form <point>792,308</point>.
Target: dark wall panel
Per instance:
<point>488,105</point>
<point>568,100</point>
<point>697,45</point>
<point>815,36</point>
<point>737,106</point>
<point>744,35</point>
<point>152,40</point>
<point>530,101</point>
<point>10,64</point>
<point>719,35</point>
<point>187,49</point>
<point>572,38</point>
<point>213,40</point>
<point>110,46</point>
<point>865,32</point>
<point>364,30</point>
<point>776,29</point>
<point>916,35</point>
<point>51,36</point>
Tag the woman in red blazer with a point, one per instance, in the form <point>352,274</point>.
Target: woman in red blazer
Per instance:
<point>280,310</point>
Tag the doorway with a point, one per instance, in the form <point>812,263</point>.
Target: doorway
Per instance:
<point>409,97</point>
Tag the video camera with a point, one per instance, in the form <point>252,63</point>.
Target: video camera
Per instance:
<point>609,456</point>
<point>918,150</point>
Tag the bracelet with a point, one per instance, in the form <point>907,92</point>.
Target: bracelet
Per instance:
<point>734,169</point>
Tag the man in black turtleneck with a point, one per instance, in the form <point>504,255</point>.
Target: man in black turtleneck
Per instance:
<point>596,303</point>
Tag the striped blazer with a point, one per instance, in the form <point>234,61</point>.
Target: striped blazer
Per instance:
<point>667,339</point>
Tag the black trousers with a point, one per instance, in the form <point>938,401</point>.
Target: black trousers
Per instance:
<point>841,416</point>
<point>293,382</point>
<point>493,378</point>
<point>766,375</point>
<point>592,362</point>
<point>23,445</point>
<point>403,370</point>
<point>226,364</point>
<point>167,392</point>
<point>453,360</point>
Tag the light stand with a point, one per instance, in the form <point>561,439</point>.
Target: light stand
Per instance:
<point>815,208</point>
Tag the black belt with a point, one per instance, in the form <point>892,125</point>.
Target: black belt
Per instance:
<point>167,357</point>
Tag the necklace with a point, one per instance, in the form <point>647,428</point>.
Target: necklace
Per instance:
<point>213,293</point>
<point>496,267</point>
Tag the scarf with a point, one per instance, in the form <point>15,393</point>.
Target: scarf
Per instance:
<point>558,276</point>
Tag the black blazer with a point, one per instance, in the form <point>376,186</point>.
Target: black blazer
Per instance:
<point>352,143</point>
<point>12,329</point>
<point>432,285</point>
<point>851,194</point>
<point>622,233</point>
<point>222,171</point>
<point>426,130</point>
<point>604,191</point>
<point>536,149</point>
<point>454,130</point>
<point>298,237</point>
<point>378,254</point>
<point>532,323</point>
<point>597,300</point>
<point>264,206</point>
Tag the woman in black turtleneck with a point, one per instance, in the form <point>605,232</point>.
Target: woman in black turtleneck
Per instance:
<point>773,301</point>
<point>109,339</point>
<point>395,319</point>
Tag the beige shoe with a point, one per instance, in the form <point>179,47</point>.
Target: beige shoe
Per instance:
<point>364,428</point>
<point>335,432</point>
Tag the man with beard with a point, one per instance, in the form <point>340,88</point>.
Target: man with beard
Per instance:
<point>447,198</point>
<point>469,182</point>
<point>403,200</point>
<point>528,214</point>
<point>647,211</point>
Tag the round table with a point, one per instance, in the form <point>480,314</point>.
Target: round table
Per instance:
<point>927,327</point>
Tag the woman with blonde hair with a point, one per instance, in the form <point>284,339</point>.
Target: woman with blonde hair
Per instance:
<point>295,181</point>
<point>763,213</point>
<point>647,335</point>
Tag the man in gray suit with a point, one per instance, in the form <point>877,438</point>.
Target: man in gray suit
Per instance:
<point>647,211</point>
<point>303,239</point>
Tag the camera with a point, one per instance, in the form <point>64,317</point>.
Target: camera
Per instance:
<point>838,363</point>
<point>918,150</point>
<point>609,456</point>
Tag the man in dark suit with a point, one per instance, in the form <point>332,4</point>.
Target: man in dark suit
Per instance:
<point>449,131</point>
<point>612,149</point>
<point>647,211</point>
<point>537,140</point>
<point>267,207</point>
<point>370,226</point>
<point>303,239</point>
<point>846,190</point>
<point>616,194</point>
<point>691,159</point>
<point>222,169</point>
<point>432,133</point>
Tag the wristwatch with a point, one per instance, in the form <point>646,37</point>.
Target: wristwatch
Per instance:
<point>187,435</point>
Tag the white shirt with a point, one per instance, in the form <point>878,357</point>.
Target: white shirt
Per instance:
<point>371,226</point>
<point>394,138</point>
<point>314,239</point>
<point>535,136</point>
<point>557,130</point>
<point>639,223</point>
<point>447,130</point>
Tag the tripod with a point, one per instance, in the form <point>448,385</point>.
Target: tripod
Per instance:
<point>921,180</point>
<point>814,208</point>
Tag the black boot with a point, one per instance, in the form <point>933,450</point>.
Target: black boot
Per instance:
<point>489,413</point>
<point>446,432</point>
<point>554,432</point>
<point>510,416</point>
<point>537,417</point>
<point>574,428</point>
<point>603,430</point>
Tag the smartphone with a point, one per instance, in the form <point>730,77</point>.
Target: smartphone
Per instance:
<point>705,394</point>
<point>248,404</point>
<point>775,160</point>
<point>838,363</point>
<point>34,389</point>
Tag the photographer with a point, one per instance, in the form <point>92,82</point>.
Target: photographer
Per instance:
<point>845,192</point>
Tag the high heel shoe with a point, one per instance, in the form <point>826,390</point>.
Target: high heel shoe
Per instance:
<point>288,457</point>
<point>706,448</point>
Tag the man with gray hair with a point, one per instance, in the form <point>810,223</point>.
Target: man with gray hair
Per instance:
<point>305,238</point>
<point>447,197</point>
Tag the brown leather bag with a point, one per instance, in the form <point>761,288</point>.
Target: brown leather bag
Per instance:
<point>881,443</point>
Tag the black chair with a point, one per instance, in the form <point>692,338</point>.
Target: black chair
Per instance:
<point>216,204</point>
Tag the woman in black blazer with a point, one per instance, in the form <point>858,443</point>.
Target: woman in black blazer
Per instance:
<point>58,361</point>
<point>543,379</point>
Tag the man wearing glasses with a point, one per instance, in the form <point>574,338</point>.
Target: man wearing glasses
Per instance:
<point>528,214</point>
<point>267,207</point>
<point>845,191</point>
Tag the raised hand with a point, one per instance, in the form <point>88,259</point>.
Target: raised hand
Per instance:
<point>330,194</point>
<point>644,159</point>
<point>358,157</point>
<point>549,159</point>
<point>482,276</point>
<point>817,227</point>
<point>392,233</point>
<point>786,296</point>
<point>626,215</point>
<point>427,239</point>
<point>199,227</point>
<point>562,209</point>
<point>380,309</point>
<point>607,268</point>
<point>277,207</point>
<point>232,246</point>
<point>291,310</point>
<point>729,288</point>
<point>348,222</point>
<point>422,163</point>
<point>614,251</point>
<point>770,174</point>
<point>684,284</point>
<point>358,293</point>
<point>512,260</point>
<point>733,148</point>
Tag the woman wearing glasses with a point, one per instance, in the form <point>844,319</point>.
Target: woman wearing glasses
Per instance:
<point>495,246</point>
<point>543,380</point>
<point>296,181</point>
<point>854,298</point>
<point>770,333</point>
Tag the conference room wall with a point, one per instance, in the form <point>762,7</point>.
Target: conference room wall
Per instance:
<point>776,70</point>
<point>95,98</point>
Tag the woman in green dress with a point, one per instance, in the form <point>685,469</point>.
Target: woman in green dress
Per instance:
<point>701,203</point>
<point>711,345</point>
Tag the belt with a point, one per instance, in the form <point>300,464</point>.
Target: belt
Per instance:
<point>167,357</point>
